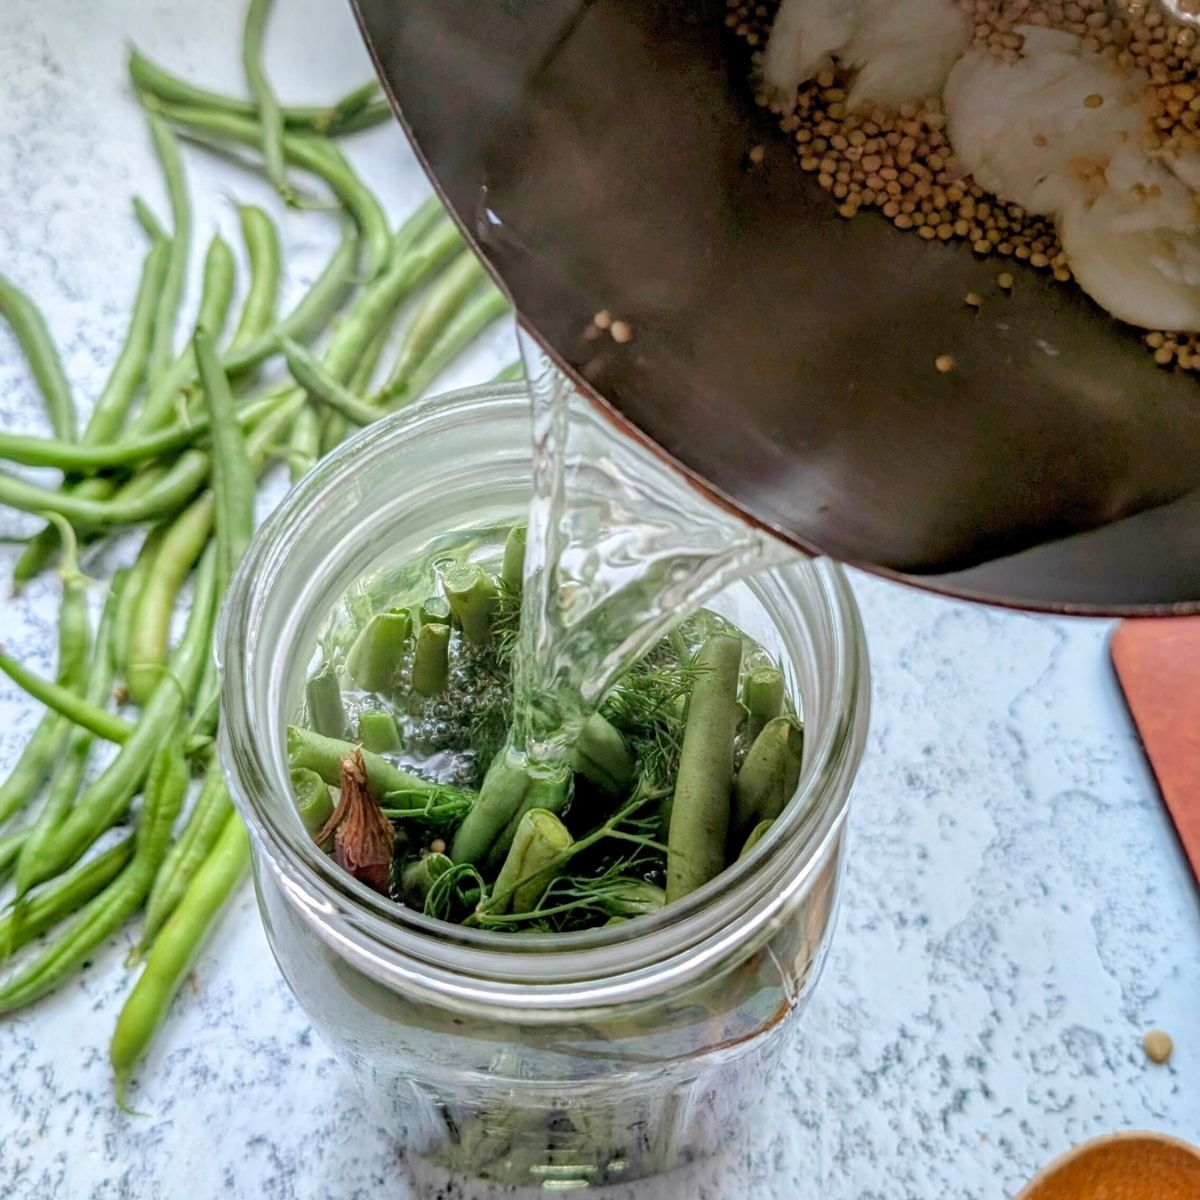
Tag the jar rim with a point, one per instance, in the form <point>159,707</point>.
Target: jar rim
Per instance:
<point>584,967</point>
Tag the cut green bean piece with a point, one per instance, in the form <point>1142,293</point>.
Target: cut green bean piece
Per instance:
<point>755,836</point>
<point>762,694</point>
<point>378,651</point>
<point>29,326</point>
<point>513,571</point>
<point>313,800</point>
<point>769,775</point>
<point>378,732</point>
<point>431,664</point>
<point>700,810</point>
<point>473,595</point>
<point>531,861</point>
<point>324,755</point>
<point>326,712</point>
<point>418,878</point>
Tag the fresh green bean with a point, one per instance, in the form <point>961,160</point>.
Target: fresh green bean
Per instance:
<point>700,811</point>
<point>375,656</point>
<point>307,370</point>
<point>313,801</point>
<point>78,456</point>
<point>270,118</point>
<point>187,854</point>
<point>130,368</point>
<point>67,703</point>
<point>378,732</point>
<point>103,802</point>
<point>11,845</point>
<point>762,694</point>
<point>165,789</point>
<point>233,476</point>
<point>166,147</point>
<point>216,294</point>
<point>262,295</point>
<point>304,443</point>
<point>149,77</point>
<point>326,712</point>
<point>768,776</point>
<point>531,861</point>
<point>74,640</point>
<point>440,305</point>
<point>148,220</point>
<point>45,907</point>
<point>513,570</point>
<point>483,309</point>
<point>131,594</point>
<point>68,774</point>
<point>167,496</point>
<point>324,755</point>
<point>175,949</point>
<point>29,326</point>
<point>431,666</point>
<point>473,596</point>
<point>513,373</point>
<point>315,156</point>
<point>183,542</point>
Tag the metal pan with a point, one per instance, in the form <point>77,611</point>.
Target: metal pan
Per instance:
<point>596,155</point>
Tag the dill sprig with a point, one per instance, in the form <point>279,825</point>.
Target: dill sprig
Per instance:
<point>436,807</point>
<point>455,893</point>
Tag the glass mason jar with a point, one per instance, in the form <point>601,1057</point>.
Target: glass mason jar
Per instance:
<point>557,1061</point>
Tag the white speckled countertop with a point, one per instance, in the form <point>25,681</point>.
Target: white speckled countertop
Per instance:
<point>1017,911</point>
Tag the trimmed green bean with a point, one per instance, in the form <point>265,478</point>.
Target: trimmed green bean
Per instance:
<point>324,755</point>
<point>473,596</point>
<point>186,855</point>
<point>531,861</point>
<point>431,665</point>
<point>104,801</point>
<point>326,712</point>
<point>317,157</point>
<point>375,656</point>
<point>378,732</point>
<point>165,789</point>
<point>482,310</point>
<point>29,326</point>
<point>601,755</point>
<point>270,118</point>
<point>74,641</point>
<point>418,878</point>
<point>762,694</point>
<point>434,610</point>
<point>700,810</point>
<point>175,949</point>
<point>44,908</point>
<point>768,776</point>
<point>313,801</point>
<point>166,148</point>
<point>439,306</point>
<point>68,774</point>
<point>266,264</point>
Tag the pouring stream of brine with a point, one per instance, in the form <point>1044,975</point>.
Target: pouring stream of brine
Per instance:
<point>620,548</point>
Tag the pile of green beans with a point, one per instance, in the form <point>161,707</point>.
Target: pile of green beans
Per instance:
<point>172,451</point>
<point>680,772</point>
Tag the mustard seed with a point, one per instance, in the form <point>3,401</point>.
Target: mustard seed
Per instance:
<point>622,332</point>
<point>603,319</point>
<point>1158,1046</point>
<point>944,363</point>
